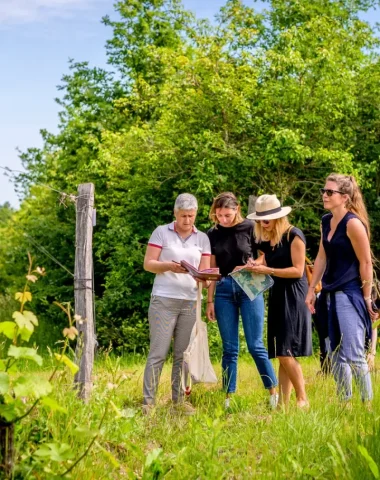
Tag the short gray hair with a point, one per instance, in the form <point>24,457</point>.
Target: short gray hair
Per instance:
<point>185,201</point>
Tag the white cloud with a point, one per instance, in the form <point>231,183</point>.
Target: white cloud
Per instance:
<point>28,11</point>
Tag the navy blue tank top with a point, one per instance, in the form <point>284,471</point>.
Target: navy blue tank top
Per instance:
<point>342,264</point>
<point>342,274</point>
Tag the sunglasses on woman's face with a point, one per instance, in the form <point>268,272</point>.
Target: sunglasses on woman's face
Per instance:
<point>265,222</point>
<point>329,192</point>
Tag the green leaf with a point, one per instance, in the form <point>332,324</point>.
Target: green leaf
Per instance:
<point>85,432</point>
<point>9,411</point>
<point>32,385</point>
<point>152,456</point>
<point>8,329</point>
<point>312,472</point>
<point>55,452</point>
<point>64,359</point>
<point>31,317</point>
<point>23,297</point>
<point>53,405</point>
<point>25,325</point>
<point>2,366</point>
<point>4,383</point>
<point>115,409</point>
<point>370,461</point>
<point>24,352</point>
<point>25,334</point>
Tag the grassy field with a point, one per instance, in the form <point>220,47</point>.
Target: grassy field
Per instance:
<point>331,440</point>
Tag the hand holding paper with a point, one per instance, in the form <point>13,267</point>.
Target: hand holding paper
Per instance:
<point>207,274</point>
<point>252,283</point>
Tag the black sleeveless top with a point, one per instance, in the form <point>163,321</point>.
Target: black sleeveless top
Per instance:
<point>342,264</point>
<point>342,273</point>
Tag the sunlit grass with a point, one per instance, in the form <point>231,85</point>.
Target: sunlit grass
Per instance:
<point>249,441</point>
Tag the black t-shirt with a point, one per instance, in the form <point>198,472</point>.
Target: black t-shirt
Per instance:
<point>232,246</point>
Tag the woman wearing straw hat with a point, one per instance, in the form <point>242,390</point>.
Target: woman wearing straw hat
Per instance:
<point>289,320</point>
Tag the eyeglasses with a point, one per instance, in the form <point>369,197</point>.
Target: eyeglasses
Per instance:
<point>265,222</point>
<point>329,192</point>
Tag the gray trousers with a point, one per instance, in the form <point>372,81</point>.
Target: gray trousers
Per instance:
<point>168,318</point>
<point>349,359</point>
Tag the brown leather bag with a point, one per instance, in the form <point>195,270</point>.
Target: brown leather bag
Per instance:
<point>309,267</point>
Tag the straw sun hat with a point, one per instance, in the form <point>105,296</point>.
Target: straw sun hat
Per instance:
<point>268,207</point>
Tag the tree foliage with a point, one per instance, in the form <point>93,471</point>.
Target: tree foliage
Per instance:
<point>255,102</point>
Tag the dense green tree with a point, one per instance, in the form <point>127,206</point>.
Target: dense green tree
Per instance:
<point>255,103</point>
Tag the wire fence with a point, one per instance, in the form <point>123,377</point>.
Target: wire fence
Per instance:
<point>63,199</point>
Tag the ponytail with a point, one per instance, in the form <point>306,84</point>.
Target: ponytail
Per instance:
<point>355,203</point>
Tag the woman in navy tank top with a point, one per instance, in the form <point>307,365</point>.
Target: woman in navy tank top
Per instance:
<point>345,265</point>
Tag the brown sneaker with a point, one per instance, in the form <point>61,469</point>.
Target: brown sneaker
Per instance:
<point>185,408</point>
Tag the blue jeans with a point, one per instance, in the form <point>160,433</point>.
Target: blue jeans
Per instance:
<point>229,298</point>
<point>348,360</point>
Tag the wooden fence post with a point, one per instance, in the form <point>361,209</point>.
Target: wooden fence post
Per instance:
<point>7,451</point>
<point>251,203</point>
<point>83,289</point>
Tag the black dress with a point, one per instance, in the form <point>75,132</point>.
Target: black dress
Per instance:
<point>289,320</point>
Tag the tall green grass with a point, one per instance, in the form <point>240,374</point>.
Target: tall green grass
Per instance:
<point>331,440</point>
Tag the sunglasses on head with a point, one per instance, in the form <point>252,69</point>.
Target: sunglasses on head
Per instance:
<point>329,192</point>
<point>265,222</point>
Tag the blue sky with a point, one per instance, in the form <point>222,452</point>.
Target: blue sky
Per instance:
<point>37,38</point>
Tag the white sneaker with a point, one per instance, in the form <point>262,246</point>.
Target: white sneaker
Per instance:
<point>227,403</point>
<point>273,401</point>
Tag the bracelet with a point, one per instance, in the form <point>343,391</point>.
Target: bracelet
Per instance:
<point>367,298</point>
<point>212,301</point>
<point>364,282</point>
<point>373,354</point>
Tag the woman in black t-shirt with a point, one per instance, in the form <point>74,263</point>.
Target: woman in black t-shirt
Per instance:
<point>232,245</point>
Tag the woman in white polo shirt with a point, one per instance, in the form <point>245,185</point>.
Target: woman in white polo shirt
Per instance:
<point>173,302</point>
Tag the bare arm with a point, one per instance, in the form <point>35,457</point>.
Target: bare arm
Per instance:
<point>154,265</point>
<point>297,250</point>
<point>372,353</point>
<point>318,271</point>
<point>356,232</point>
<point>359,240</point>
<point>373,342</point>
<point>319,267</point>
<point>205,262</point>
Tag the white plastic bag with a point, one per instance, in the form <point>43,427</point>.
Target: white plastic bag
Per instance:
<point>197,367</point>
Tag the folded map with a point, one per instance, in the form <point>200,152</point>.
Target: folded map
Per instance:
<point>252,283</point>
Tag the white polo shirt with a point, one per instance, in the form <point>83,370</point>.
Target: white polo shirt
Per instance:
<point>173,247</point>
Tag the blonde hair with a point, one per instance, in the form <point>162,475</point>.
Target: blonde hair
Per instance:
<point>281,226</point>
<point>355,203</point>
<point>225,200</point>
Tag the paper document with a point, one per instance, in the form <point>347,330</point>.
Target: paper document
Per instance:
<point>252,283</point>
